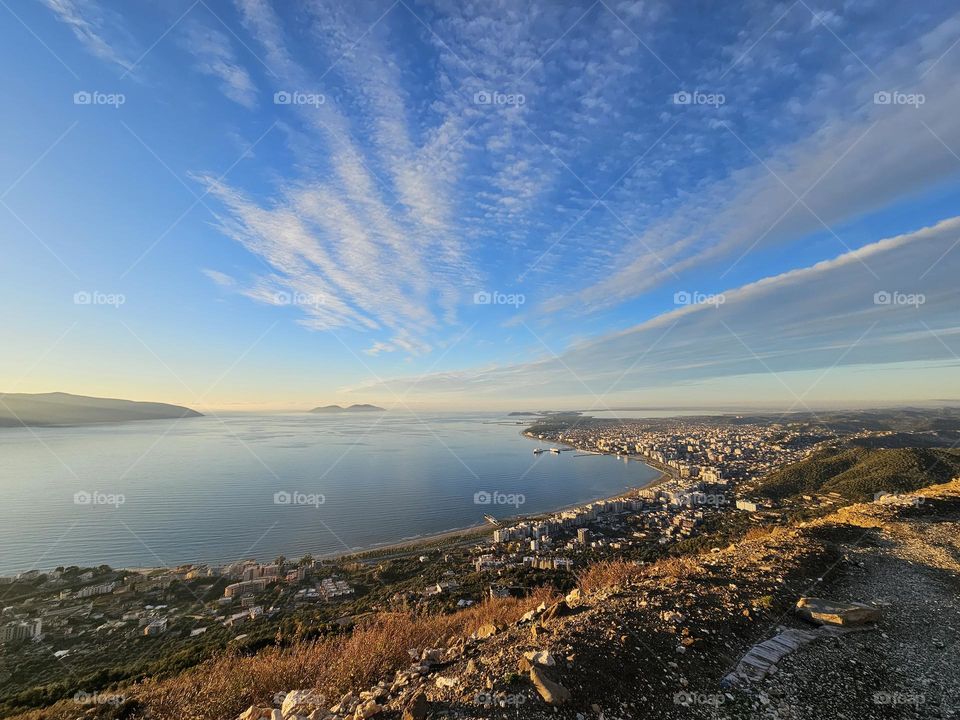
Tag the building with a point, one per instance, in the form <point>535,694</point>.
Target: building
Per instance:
<point>747,505</point>
<point>244,587</point>
<point>156,627</point>
<point>15,631</point>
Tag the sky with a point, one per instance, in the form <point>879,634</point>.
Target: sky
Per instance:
<point>255,205</point>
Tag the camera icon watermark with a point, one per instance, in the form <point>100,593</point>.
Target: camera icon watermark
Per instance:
<point>298,498</point>
<point>899,698</point>
<point>888,498</point>
<point>298,298</point>
<point>295,97</point>
<point>687,699</point>
<point>492,97</point>
<point>897,298</point>
<point>84,497</point>
<point>484,497</point>
<point>499,699</point>
<point>895,97</point>
<point>98,698</point>
<point>95,297</point>
<point>95,97</point>
<point>496,297</point>
<point>684,297</point>
<point>685,97</point>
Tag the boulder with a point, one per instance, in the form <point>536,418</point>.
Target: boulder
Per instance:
<point>301,702</point>
<point>486,630</point>
<point>368,709</point>
<point>830,612</point>
<point>256,713</point>
<point>573,597</point>
<point>543,657</point>
<point>416,708</point>
<point>553,693</point>
<point>557,610</point>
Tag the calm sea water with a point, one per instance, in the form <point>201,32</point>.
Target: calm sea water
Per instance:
<point>206,489</point>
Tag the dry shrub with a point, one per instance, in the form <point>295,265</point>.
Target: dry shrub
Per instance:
<point>675,567</point>
<point>223,687</point>
<point>607,574</point>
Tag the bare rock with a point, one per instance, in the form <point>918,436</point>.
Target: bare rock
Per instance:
<point>830,612</point>
<point>553,693</point>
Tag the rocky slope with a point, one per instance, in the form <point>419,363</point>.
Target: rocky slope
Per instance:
<point>670,640</point>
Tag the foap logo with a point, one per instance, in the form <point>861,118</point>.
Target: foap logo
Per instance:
<point>499,699</point>
<point>498,498</point>
<point>496,297</point>
<point>687,699</point>
<point>897,298</point>
<point>298,298</point>
<point>304,697</point>
<point>298,498</point>
<point>95,297</point>
<point>97,698</point>
<point>899,698</point>
<point>491,97</point>
<point>295,97</point>
<point>95,97</point>
<point>707,499</point>
<point>685,97</point>
<point>96,497</point>
<point>897,498</point>
<point>684,297</point>
<point>895,97</point>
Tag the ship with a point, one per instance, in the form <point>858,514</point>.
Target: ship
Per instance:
<point>491,519</point>
<point>537,451</point>
<point>555,450</point>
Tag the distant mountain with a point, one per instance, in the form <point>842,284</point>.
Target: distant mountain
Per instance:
<point>333,409</point>
<point>23,409</point>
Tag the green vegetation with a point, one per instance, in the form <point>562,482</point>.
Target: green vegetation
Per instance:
<point>859,473</point>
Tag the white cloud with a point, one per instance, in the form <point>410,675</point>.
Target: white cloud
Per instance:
<point>215,56</point>
<point>91,23</point>
<point>816,318</point>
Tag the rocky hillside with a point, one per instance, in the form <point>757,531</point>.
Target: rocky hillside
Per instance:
<point>716,636</point>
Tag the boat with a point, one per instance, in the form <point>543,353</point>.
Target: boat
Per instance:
<point>555,450</point>
<point>537,451</point>
<point>491,519</point>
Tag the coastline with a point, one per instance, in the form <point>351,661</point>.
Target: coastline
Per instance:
<point>457,536</point>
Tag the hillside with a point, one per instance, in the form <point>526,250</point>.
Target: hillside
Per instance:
<point>859,473</point>
<point>21,409</point>
<point>334,409</point>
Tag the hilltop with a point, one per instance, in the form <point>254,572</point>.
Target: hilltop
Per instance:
<point>333,409</point>
<point>57,408</point>
<point>859,473</point>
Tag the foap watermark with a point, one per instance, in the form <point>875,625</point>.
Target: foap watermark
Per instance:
<point>897,498</point>
<point>899,698</point>
<point>296,97</point>
<point>685,97</point>
<point>298,298</point>
<point>687,698</point>
<point>298,498</point>
<point>95,97</point>
<point>499,699</point>
<point>701,498</point>
<point>483,497</point>
<point>496,297</point>
<point>895,97</point>
<point>492,97</point>
<point>895,297</point>
<point>84,497</point>
<point>684,297</point>
<point>95,297</point>
<point>98,698</point>
<point>304,697</point>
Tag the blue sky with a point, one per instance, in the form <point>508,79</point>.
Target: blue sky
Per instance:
<point>485,205</point>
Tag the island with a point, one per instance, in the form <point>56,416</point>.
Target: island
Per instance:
<point>333,409</point>
<point>58,408</point>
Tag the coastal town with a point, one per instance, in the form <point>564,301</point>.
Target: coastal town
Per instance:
<point>71,616</point>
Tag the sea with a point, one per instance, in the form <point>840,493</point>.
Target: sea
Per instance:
<point>226,487</point>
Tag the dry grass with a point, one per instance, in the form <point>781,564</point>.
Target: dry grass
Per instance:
<point>611,573</point>
<point>224,687</point>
